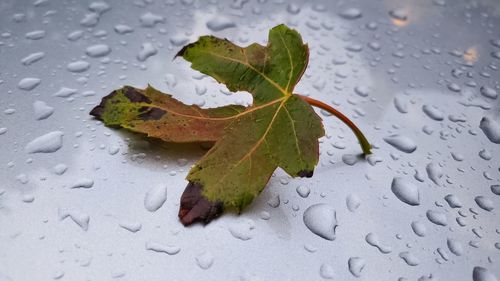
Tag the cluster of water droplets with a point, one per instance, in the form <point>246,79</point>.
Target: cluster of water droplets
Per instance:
<point>422,207</point>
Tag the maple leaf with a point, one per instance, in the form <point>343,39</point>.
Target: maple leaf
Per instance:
<point>159,115</point>
<point>279,129</point>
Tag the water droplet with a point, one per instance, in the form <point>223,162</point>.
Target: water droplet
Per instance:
<point>32,58</point>
<point>179,40</point>
<point>321,220</point>
<point>491,129</point>
<point>433,112</point>
<point>372,239</point>
<point>160,248</point>
<point>99,7</point>
<point>64,92</point>
<point>131,226</point>
<point>353,202</point>
<point>83,183</point>
<point>90,20</point>
<point>123,29</point>
<point>220,23</point>
<point>82,219</point>
<point>409,258</point>
<point>405,191</point>
<point>303,191</point>
<point>155,198</point>
<point>150,20</point>
<point>48,143</point>
<point>350,159</point>
<point>326,271</point>
<point>60,169</point>
<point>113,149</point>
<point>356,266</point>
<point>361,91</point>
<point>293,8</point>
<point>98,50</point>
<point>399,14</point>
<point>205,260</point>
<point>274,201</point>
<point>482,274</point>
<point>42,110</point>
<point>78,66</point>
<point>75,35</point>
<point>147,50</point>
<point>488,92</point>
<point>455,246</point>
<point>495,189</point>
<point>434,172</point>
<point>402,143</point>
<point>485,154</point>
<point>35,35</point>
<point>351,13</point>
<point>484,203</point>
<point>419,228</point>
<point>453,201</point>
<point>437,217</point>
<point>29,83</point>
<point>242,229</point>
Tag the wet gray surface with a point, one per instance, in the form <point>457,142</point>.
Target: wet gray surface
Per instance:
<point>79,201</point>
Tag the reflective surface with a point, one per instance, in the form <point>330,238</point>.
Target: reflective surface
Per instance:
<point>79,201</point>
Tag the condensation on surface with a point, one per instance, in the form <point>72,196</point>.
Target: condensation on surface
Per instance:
<point>80,201</point>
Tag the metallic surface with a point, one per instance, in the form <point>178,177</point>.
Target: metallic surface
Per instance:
<point>366,56</point>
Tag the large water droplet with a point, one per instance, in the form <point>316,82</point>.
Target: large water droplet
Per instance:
<point>98,50</point>
<point>155,198</point>
<point>220,23</point>
<point>482,274</point>
<point>437,217</point>
<point>78,66</point>
<point>205,260</point>
<point>373,240</point>
<point>321,220</point>
<point>409,258</point>
<point>351,13</point>
<point>402,143</point>
<point>484,203</point>
<point>491,129</point>
<point>147,50</point>
<point>29,83</point>
<point>356,266</point>
<point>405,191</point>
<point>455,246</point>
<point>48,143</point>
<point>42,110</point>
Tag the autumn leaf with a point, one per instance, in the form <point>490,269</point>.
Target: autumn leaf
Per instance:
<point>280,128</point>
<point>159,115</point>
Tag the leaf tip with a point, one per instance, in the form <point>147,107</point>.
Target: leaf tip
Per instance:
<point>195,207</point>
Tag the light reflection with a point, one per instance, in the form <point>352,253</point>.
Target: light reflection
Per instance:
<point>399,22</point>
<point>471,55</point>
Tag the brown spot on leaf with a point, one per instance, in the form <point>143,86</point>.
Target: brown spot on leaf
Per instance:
<point>196,208</point>
<point>135,96</point>
<point>98,110</point>
<point>305,173</point>
<point>152,114</point>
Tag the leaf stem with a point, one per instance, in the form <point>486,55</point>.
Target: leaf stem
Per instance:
<point>365,145</point>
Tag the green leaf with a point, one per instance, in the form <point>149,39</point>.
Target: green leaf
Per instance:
<point>268,73</point>
<point>159,115</point>
<point>278,130</point>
